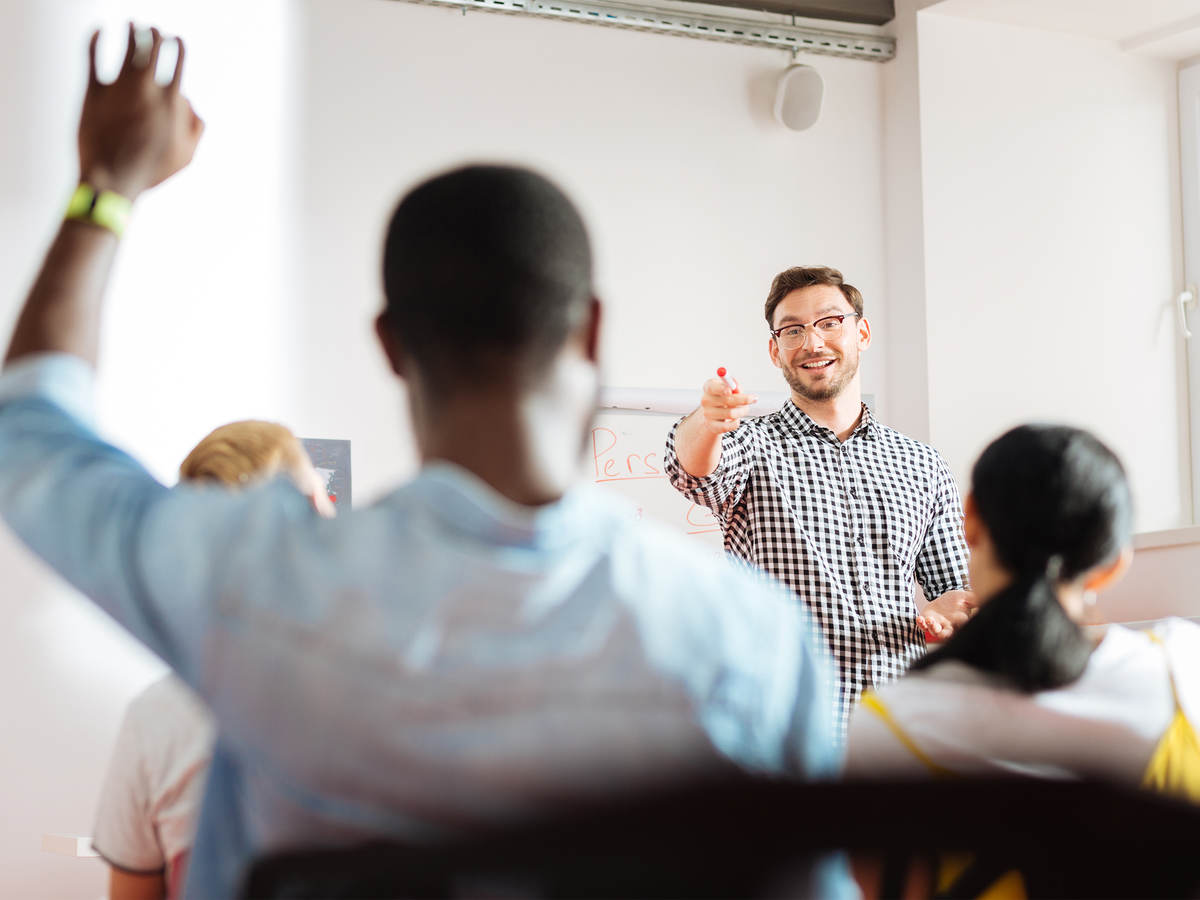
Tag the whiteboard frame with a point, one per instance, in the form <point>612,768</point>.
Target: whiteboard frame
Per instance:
<point>681,401</point>
<point>676,401</point>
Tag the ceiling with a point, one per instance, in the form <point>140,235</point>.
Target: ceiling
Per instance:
<point>866,12</point>
<point>1168,29</point>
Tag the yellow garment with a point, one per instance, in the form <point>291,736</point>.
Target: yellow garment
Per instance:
<point>1174,767</point>
<point>951,866</point>
<point>872,702</point>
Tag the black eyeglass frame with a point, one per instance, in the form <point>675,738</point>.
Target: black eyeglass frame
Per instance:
<point>809,327</point>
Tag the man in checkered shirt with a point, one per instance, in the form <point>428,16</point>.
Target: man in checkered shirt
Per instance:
<point>842,509</point>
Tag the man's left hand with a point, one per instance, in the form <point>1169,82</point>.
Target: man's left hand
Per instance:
<point>945,614</point>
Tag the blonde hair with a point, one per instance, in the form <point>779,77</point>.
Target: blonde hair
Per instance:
<point>241,452</point>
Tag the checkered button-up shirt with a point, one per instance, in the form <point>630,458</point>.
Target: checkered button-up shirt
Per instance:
<point>845,525</point>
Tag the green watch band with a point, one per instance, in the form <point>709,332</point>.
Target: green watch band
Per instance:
<point>107,209</point>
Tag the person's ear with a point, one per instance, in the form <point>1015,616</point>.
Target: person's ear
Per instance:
<point>973,529</point>
<point>864,333</point>
<point>591,334</point>
<point>1106,576</point>
<point>392,348</point>
<point>773,350</point>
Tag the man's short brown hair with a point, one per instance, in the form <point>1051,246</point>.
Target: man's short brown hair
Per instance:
<point>806,276</point>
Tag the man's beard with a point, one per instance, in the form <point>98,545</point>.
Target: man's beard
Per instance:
<point>821,392</point>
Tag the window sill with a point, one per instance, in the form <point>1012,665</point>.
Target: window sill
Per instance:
<point>1172,537</point>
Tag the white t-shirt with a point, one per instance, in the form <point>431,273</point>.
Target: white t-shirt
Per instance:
<point>155,781</point>
<point>1104,725</point>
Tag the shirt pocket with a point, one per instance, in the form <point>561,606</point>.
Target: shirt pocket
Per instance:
<point>905,520</point>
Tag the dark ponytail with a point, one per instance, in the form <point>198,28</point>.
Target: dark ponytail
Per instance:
<point>1056,504</point>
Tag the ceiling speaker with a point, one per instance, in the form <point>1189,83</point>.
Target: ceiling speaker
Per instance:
<point>798,97</point>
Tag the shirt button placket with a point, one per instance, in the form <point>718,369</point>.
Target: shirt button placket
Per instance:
<point>858,562</point>
<point>863,556</point>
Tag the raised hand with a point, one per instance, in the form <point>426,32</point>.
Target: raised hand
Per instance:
<point>721,409</point>
<point>135,133</point>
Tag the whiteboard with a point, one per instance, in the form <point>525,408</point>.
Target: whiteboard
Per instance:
<point>625,454</point>
<point>627,447</point>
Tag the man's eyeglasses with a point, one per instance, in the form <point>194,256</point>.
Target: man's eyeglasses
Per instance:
<point>790,337</point>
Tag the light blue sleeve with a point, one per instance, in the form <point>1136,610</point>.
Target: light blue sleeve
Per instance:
<point>149,555</point>
<point>798,702</point>
<point>746,652</point>
<point>60,378</point>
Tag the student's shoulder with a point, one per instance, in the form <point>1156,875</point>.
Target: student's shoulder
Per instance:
<point>947,706</point>
<point>648,542</point>
<point>1180,629</point>
<point>166,713</point>
<point>274,508</point>
<point>682,572</point>
<point>1120,644</point>
<point>406,510</point>
<point>166,695</point>
<point>1181,637</point>
<point>940,689</point>
<point>637,539</point>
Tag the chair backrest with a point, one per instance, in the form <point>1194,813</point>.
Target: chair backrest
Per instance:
<point>759,837</point>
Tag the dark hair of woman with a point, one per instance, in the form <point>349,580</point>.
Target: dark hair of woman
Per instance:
<point>1056,504</point>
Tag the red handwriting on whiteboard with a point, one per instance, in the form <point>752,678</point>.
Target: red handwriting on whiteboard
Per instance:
<point>614,462</point>
<point>701,520</point>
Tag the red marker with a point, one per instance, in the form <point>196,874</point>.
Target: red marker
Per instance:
<point>728,379</point>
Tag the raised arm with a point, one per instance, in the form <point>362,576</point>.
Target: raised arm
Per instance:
<point>133,134</point>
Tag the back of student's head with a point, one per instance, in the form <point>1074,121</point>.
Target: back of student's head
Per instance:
<point>1056,505</point>
<point>241,452</point>
<point>487,270</point>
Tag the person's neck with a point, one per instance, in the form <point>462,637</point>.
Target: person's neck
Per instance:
<point>988,581</point>
<point>525,443</point>
<point>841,414</point>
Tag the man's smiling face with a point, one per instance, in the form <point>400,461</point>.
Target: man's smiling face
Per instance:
<point>823,365</point>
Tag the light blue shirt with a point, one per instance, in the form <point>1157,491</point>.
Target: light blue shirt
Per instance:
<point>439,659</point>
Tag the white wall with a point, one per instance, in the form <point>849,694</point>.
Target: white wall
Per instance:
<point>1026,174</point>
<point>197,334</point>
<point>907,374</point>
<point>247,287</point>
<point>1160,583</point>
<point>695,197</point>
<point>1053,247</point>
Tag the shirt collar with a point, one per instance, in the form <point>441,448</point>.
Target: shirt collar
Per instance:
<point>468,504</point>
<point>794,416</point>
<point>867,427</point>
